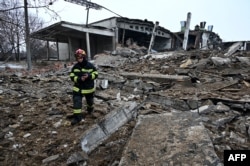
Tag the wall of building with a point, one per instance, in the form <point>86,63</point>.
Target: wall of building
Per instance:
<point>100,43</point>
<point>63,51</point>
<point>139,31</point>
<point>108,23</point>
<point>97,43</point>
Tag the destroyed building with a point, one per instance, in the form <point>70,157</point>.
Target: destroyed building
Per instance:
<point>110,33</point>
<point>165,108</point>
<point>138,31</point>
<point>199,37</point>
<point>104,35</point>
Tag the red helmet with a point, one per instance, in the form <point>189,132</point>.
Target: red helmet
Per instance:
<point>80,52</point>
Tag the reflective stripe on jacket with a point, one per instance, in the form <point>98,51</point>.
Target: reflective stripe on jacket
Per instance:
<point>80,69</point>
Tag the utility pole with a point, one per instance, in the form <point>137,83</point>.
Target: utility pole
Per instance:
<point>87,20</point>
<point>27,34</point>
<point>88,5</point>
<point>186,33</point>
<point>151,44</point>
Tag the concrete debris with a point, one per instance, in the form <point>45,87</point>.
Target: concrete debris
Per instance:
<point>109,61</point>
<point>107,126</point>
<point>104,84</point>
<point>234,48</point>
<point>169,139</point>
<point>77,158</point>
<point>148,110</point>
<point>244,60</point>
<point>218,61</point>
<point>158,77</point>
<point>50,159</point>
<point>124,52</point>
<point>186,64</point>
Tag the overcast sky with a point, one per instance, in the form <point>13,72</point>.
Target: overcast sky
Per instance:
<point>230,18</point>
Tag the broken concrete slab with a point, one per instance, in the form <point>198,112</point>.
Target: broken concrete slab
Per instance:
<point>168,102</point>
<point>157,77</point>
<point>170,139</point>
<point>109,61</point>
<point>124,52</point>
<point>77,157</point>
<point>165,55</point>
<point>111,77</point>
<point>218,61</point>
<point>107,126</point>
<point>244,60</point>
<point>234,48</point>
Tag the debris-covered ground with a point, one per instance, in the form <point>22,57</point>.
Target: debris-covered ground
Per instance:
<point>35,106</point>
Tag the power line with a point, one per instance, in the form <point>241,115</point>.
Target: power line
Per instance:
<point>86,3</point>
<point>89,5</point>
<point>111,11</point>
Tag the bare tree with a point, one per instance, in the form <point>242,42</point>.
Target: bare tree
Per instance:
<point>15,29</point>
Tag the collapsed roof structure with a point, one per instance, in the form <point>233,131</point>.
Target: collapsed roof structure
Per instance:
<point>108,34</point>
<point>105,35</point>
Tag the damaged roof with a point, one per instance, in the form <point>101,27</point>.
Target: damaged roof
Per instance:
<point>133,21</point>
<point>62,30</point>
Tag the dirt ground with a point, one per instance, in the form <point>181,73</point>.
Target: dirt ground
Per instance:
<point>35,127</point>
<point>35,107</point>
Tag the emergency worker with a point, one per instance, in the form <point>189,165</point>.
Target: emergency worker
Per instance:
<point>83,74</point>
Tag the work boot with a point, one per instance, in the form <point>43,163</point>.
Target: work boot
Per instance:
<point>70,116</point>
<point>90,110</point>
<point>77,118</point>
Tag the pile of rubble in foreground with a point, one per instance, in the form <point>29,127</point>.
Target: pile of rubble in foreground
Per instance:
<point>35,129</point>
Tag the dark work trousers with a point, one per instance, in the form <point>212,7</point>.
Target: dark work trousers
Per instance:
<point>77,101</point>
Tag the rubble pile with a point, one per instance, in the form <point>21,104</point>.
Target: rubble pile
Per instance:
<point>35,128</point>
